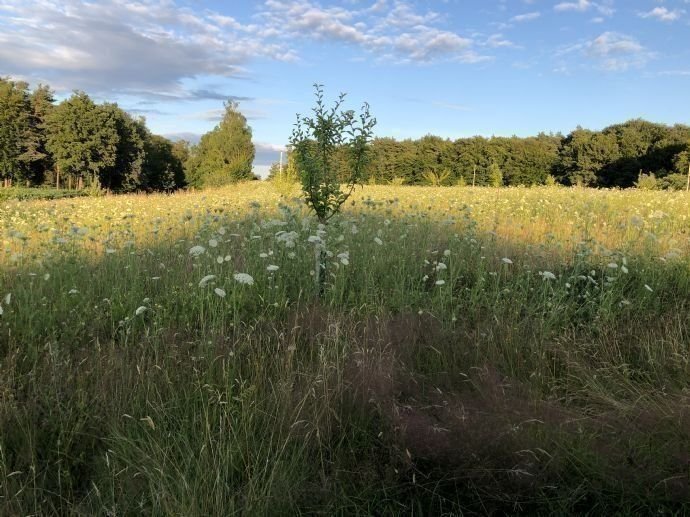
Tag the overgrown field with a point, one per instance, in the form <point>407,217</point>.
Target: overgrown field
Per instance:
<point>474,351</point>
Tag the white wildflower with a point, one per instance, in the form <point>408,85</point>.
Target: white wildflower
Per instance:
<point>8,298</point>
<point>244,278</point>
<point>441,266</point>
<point>263,255</point>
<point>506,260</point>
<point>624,269</point>
<point>219,260</point>
<point>378,241</point>
<point>648,288</point>
<point>446,253</point>
<point>109,251</point>
<point>46,277</point>
<point>272,268</point>
<point>195,251</point>
<point>344,258</point>
<point>548,275</point>
<point>220,292</point>
<point>204,281</point>
<point>612,265</point>
<point>440,282</point>
<point>227,258</point>
<point>140,310</point>
<point>213,243</point>
<point>73,291</point>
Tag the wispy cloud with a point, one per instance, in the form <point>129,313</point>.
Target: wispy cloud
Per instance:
<point>663,14</point>
<point>605,8</point>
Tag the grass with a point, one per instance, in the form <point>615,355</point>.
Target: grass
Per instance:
<point>475,351</point>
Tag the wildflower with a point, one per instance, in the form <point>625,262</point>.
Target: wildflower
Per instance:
<point>109,251</point>
<point>204,281</point>
<point>378,241</point>
<point>441,266</point>
<point>506,260</point>
<point>213,243</point>
<point>219,260</point>
<point>244,278</point>
<point>440,282</point>
<point>195,251</point>
<point>220,292</point>
<point>72,291</point>
<point>272,268</point>
<point>446,253</point>
<point>8,298</point>
<point>624,269</point>
<point>612,265</point>
<point>46,277</point>
<point>344,258</point>
<point>314,239</point>
<point>227,258</point>
<point>140,310</point>
<point>548,275</point>
<point>263,255</point>
<point>648,288</point>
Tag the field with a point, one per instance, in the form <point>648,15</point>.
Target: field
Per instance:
<point>474,351</point>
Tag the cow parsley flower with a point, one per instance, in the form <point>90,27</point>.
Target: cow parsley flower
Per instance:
<point>244,278</point>
<point>195,251</point>
<point>204,281</point>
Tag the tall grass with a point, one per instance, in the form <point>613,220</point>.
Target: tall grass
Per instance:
<point>475,351</point>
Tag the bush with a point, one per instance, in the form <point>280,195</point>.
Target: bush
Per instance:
<point>27,193</point>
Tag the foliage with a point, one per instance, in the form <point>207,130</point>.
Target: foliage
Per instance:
<point>225,154</point>
<point>436,179</point>
<point>495,175</point>
<point>315,143</point>
<point>647,182</point>
<point>83,137</point>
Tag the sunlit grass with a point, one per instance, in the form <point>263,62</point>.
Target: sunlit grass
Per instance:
<point>171,354</point>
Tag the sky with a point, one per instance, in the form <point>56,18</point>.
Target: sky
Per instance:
<point>452,68</point>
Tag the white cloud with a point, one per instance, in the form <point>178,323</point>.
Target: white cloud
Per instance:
<point>582,6</point>
<point>663,14</point>
<point>157,46</point>
<point>612,51</point>
<point>526,17</point>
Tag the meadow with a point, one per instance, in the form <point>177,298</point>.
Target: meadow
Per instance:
<point>474,351</point>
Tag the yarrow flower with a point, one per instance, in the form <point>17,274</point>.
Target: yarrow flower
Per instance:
<point>244,278</point>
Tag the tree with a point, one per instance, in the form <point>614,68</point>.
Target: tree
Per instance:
<point>163,167</point>
<point>316,142</point>
<point>82,137</point>
<point>126,174</point>
<point>495,175</point>
<point>225,154</point>
<point>15,127</point>
<point>39,160</point>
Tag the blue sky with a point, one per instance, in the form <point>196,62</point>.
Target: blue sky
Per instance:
<point>448,67</point>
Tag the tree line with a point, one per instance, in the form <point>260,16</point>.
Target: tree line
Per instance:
<point>78,143</point>
<point>634,153</point>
